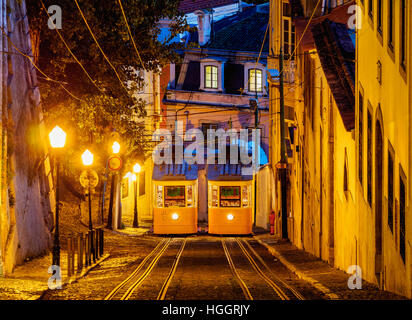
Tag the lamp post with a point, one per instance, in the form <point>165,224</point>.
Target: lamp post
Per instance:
<point>115,150</point>
<point>57,141</point>
<point>87,158</point>
<point>136,170</point>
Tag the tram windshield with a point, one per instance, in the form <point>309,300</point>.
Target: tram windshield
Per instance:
<point>175,196</point>
<point>230,196</point>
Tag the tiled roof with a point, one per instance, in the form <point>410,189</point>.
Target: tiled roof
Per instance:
<point>242,33</point>
<point>337,56</point>
<point>188,6</point>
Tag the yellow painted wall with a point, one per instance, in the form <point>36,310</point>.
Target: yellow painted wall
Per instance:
<point>390,101</point>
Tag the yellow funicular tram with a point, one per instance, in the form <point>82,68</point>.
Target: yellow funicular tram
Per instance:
<point>230,200</point>
<point>175,199</point>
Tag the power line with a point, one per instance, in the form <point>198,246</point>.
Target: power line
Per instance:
<point>130,34</point>
<point>68,48</point>
<point>260,53</point>
<point>303,34</point>
<point>38,68</point>
<point>100,48</point>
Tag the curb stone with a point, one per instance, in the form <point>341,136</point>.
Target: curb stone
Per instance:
<point>77,277</point>
<point>299,273</point>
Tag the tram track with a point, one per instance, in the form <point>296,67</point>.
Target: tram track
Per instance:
<point>239,254</point>
<point>232,266</point>
<point>279,287</point>
<point>126,289</point>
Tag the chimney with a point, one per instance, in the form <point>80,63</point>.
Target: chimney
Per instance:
<point>204,26</point>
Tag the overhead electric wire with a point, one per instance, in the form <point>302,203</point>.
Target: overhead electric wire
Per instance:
<point>68,48</point>
<point>37,67</point>
<point>303,34</point>
<point>260,53</point>
<point>100,48</point>
<point>130,34</point>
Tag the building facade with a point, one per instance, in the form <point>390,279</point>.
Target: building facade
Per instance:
<point>348,177</point>
<point>212,88</point>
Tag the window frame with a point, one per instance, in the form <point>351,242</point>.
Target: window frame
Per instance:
<point>256,83</point>
<point>402,217</point>
<point>361,109</point>
<point>391,25</point>
<point>205,74</point>
<point>219,64</point>
<point>251,65</point>
<point>403,43</point>
<point>391,186</point>
<point>369,154</point>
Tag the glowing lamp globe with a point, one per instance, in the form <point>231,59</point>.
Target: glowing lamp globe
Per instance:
<point>57,137</point>
<point>133,176</point>
<point>128,175</point>
<point>116,147</point>
<point>87,158</point>
<point>136,168</point>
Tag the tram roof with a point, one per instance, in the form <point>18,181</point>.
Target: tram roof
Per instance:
<point>168,172</point>
<point>227,172</point>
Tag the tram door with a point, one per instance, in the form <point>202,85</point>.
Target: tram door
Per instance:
<point>202,192</point>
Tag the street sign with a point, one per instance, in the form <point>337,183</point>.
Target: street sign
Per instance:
<point>115,163</point>
<point>87,175</point>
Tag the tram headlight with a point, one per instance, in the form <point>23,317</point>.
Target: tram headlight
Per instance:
<point>175,216</point>
<point>230,217</point>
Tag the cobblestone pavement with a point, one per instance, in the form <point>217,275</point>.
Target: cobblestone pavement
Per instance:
<point>203,273</point>
<point>320,273</point>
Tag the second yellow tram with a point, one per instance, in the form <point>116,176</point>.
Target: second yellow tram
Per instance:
<point>175,199</point>
<point>230,200</point>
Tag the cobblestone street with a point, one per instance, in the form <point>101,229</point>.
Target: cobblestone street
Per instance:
<point>203,272</point>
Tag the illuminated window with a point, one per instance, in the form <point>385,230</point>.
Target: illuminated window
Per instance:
<point>230,196</point>
<point>255,80</point>
<point>189,190</point>
<point>175,196</point>
<point>288,36</point>
<point>159,196</point>
<point>211,77</point>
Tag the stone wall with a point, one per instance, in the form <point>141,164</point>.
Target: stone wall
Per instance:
<point>26,218</point>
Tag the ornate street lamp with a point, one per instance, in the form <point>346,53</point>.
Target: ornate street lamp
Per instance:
<point>116,147</point>
<point>114,163</point>
<point>57,141</point>
<point>136,170</point>
<point>87,159</point>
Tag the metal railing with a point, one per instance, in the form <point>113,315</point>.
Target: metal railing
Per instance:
<point>81,250</point>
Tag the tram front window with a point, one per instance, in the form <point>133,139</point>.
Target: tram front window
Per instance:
<point>230,197</point>
<point>175,197</point>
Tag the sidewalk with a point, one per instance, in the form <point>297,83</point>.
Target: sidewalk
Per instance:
<point>30,280</point>
<point>145,227</point>
<point>333,283</point>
